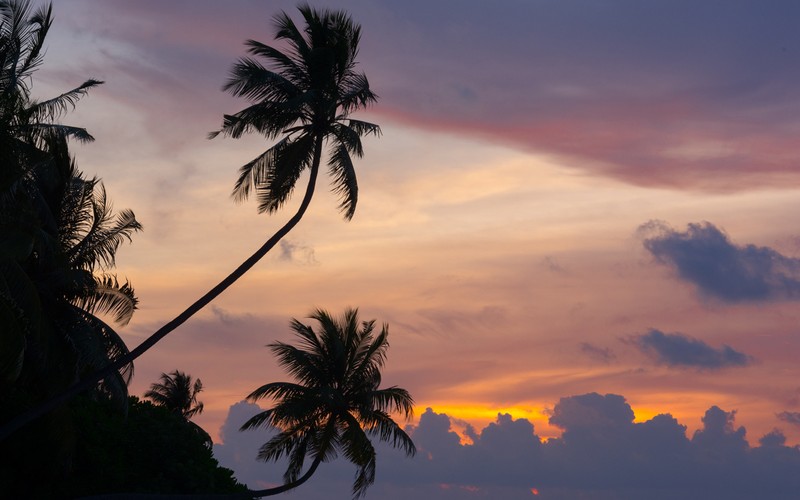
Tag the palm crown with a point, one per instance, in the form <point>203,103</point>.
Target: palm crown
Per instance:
<point>177,393</point>
<point>307,93</point>
<point>336,404</point>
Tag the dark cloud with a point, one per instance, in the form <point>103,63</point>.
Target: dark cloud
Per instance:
<point>602,354</point>
<point>704,256</point>
<point>602,454</point>
<point>677,350</point>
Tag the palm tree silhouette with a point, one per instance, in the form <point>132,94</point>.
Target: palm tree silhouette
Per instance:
<point>308,96</point>
<point>177,393</point>
<point>335,405</point>
<point>58,234</point>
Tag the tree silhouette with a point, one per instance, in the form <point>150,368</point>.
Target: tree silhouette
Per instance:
<point>336,404</point>
<point>177,393</point>
<point>58,236</point>
<point>307,95</point>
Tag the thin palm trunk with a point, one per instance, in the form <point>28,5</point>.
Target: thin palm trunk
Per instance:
<point>92,380</point>
<point>212,496</point>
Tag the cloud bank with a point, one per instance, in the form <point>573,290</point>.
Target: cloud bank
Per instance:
<point>601,454</point>
<point>704,256</point>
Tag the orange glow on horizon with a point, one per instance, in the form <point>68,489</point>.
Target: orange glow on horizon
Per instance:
<point>480,416</point>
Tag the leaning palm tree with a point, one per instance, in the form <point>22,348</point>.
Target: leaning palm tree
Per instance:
<point>306,94</point>
<point>177,393</point>
<point>335,405</point>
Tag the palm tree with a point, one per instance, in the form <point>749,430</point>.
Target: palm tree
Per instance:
<point>58,234</point>
<point>336,404</point>
<point>177,393</point>
<point>307,96</point>
<point>63,284</point>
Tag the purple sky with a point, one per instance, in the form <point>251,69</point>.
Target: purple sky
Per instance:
<point>579,218</point>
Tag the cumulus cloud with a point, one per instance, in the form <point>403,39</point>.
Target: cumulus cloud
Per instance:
<point>704,256</point>
<point>677,350</point>
<point>602,454</point>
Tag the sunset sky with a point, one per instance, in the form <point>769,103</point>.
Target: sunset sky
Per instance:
<point>568,198</point>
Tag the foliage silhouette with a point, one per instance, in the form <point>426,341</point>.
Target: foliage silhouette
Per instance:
<point>308,96</point>
<point>151,451</point>
<point>336,403</point>
<point>177,393</point>
<point>58,239</point>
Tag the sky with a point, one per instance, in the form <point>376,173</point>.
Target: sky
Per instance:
<point>577,223</point>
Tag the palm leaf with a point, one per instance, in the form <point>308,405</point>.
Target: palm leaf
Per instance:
<point>108,296</point>
<point>57,106</point>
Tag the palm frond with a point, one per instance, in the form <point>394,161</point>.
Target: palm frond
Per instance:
<point>273,174</point>
<point>356,93</point>
<point>393,399</point>
<point>306,367</point>
<point>381,424</point>
<point>278,390</point>
<point>287,30</point>
<point>251,80</point>
<point>107,295</point>
<point>359,450</point>
<point>266,117</point>
<point>53,108</point>
<point>363,128</point>
<point>285,64</point>
<point>47,131</point>
<point>290,162</point>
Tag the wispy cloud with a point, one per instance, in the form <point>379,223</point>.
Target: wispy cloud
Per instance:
<point>603,354</point>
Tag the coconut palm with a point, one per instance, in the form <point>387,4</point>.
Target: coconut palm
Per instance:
<point>177,393</point>
<point>335,406</point>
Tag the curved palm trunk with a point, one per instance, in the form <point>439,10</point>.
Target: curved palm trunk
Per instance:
<point>215,496</point>
<point>91,381</point>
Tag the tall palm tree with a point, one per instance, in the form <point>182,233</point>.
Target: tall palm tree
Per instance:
<point>335,405</point>
<point>177,393</point>
<point>307,95</point>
